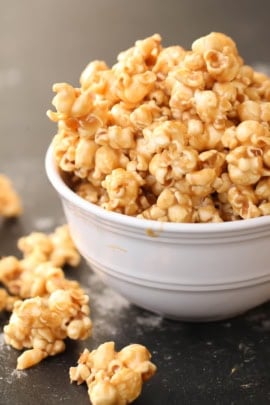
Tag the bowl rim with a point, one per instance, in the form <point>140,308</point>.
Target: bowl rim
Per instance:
<point>54,176</point>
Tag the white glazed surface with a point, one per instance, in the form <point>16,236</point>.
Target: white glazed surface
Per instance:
<point>193,272</point>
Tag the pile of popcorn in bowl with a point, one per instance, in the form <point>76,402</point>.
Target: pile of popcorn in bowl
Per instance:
<point>162,163</point>
<point>168,134</point>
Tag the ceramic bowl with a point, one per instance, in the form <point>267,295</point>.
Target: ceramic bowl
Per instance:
<point>191,272</point>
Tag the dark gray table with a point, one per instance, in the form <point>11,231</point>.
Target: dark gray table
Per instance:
<point>46,42</point>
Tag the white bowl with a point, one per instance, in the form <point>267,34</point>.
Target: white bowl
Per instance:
<point>191,272</point>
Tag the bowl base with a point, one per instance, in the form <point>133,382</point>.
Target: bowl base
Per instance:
<point>182,306</point>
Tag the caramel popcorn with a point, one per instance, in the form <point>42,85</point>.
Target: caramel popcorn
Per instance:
<point>43,257</point>
<point>160,118</point>
<point>57,247</point>
<point>10,204</point>
<point>113,378</point>
<point>6,301</point>
<point>26,282</point>
<point>46,306</point>
<point>41,324</point>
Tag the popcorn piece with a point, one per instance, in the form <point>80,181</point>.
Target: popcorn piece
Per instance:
<point>39,272</point>
<point>164,116</point>
<point>10,204</point>
<point>243,201</point>
<point>123,190</point>
<point>41,324</point>
<point>53,308</point>
<point>171,206</point>
<point>58,247</point>
<point>113,378</point>
<point>10,272</point>
<point>245,165</point>
<point>6,301</point>
<point>26,282</point>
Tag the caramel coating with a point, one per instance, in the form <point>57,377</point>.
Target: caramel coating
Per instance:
<point>41,324</point>
<point>46,306</point>
<point>10,203</point>
<point>160,118</point>
<point>113,378</point>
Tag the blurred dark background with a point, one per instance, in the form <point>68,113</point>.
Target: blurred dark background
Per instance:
<point>42,42</point>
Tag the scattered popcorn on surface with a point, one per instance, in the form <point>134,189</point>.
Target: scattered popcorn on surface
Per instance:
<point>10,203</point>
<point>41,324</point>
<point>6,301</point>
<point>113,378</point>
<point>39,271</point>
<point>46,306</point>
<point>57,248</point>
<point>168,134</point>
<point>27,282</point>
